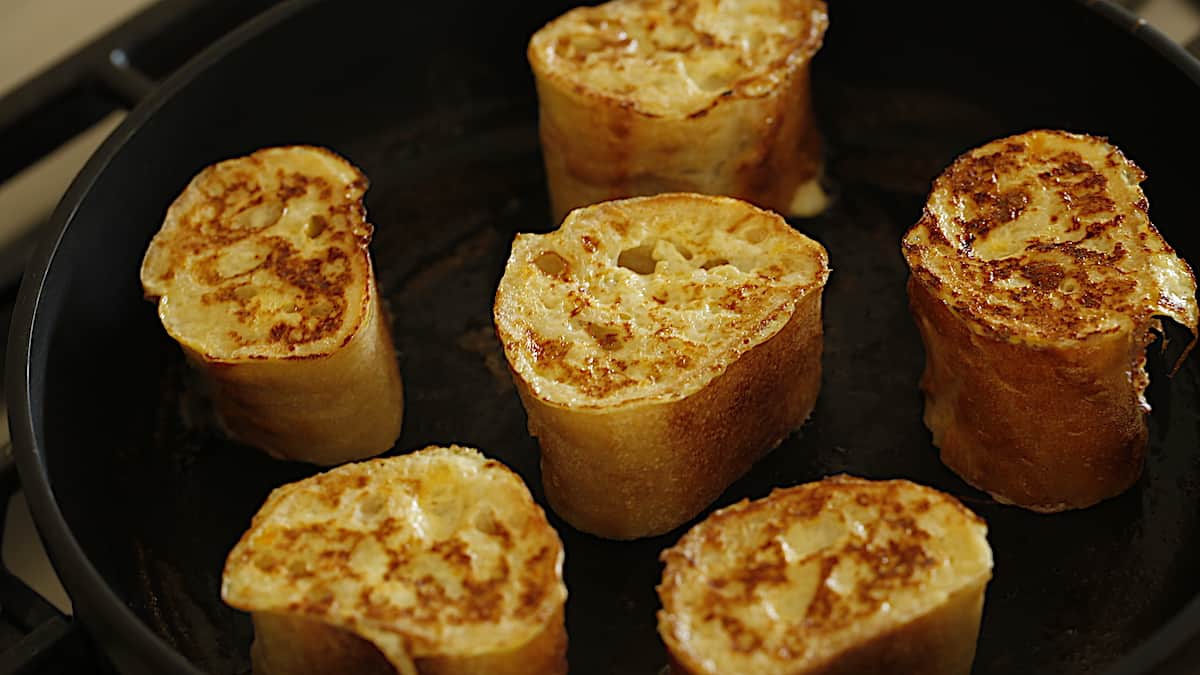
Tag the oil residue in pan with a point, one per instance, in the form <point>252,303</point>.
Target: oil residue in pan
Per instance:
<point>1071,592</point>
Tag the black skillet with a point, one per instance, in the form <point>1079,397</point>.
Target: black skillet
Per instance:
<point>139,504</point>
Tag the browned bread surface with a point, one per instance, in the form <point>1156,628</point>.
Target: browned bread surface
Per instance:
<point>261,273</point>
<point>1037,278</point>
<point>264,256</point>
<point>839,576</point>
<point>639,97</point>
<point>437,562</point>
<point>661,345</point>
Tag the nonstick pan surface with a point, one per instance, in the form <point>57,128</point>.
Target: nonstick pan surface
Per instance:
<point>140,501</point>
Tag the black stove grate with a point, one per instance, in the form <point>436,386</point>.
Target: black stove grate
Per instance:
<point>35,638</point>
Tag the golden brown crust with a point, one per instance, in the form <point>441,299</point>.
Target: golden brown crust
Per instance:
<point>1046,428</point>
<point>264,256</point>
<point>291,645</point>
<point>678,59</point>
<point>261,274</point>
<point>839,576</point>
<point>286,645</point>
<point>439,558</point>
<point>545,654</point>
<point>1037,278</point>
<point>644,470</point>
<point>1045,238</point>
<point>646,300</point>
<point>638,98</point>
<point>345,406</point>
<point>661,345</point>
<point>941,642</point>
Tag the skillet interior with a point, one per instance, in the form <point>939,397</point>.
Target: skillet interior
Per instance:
<point>438,109</point>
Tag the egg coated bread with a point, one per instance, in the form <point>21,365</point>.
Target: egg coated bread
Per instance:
<point>639,97</point>
<point>261,273</point>
<point>661,345</point>
<point>434,563</point>
<point>1037,280</point>
<point>839,577</point>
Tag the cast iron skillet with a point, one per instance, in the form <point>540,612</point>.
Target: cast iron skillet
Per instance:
<point>139,501</point>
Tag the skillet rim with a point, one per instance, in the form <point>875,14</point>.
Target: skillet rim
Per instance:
<point>88,589</point>
<point>85,586</point>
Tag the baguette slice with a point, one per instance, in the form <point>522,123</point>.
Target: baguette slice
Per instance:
<point>1037,278</point>
<point>438,562</point>
<point>639,97</point>
<point>843,576</point>
<point>661,346</point>
<point>261,274</point>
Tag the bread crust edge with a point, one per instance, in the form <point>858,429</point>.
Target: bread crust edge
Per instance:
<point>345,406</point>
<point>641,470</point>
<point>286,645</point>
<point>1044,427</point>
<point>764,150</point>
<point>940,642</point>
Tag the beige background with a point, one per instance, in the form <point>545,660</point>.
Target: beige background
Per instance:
<point>35,34</point>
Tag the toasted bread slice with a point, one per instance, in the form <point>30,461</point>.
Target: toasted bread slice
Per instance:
<point>438,562</point>
<point>843,576</point>
<point>1037,278</point>
<point>639,97</point>
<point>661,345</point>
<point>261,273</point>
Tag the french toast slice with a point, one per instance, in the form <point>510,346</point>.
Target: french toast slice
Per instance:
<point>1037,280</point>
<point>261,273</point>
<point>638,97</point>
<point>843,576</point>
<point>660,345</point>
<point>438,562</point>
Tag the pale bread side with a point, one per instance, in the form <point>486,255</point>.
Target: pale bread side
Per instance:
<point>261,273</point>
<point>661,345</point>
<point>643,97</point>
<point>839,576</point>
<point>1037,280</point>
<point>435,562</point>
